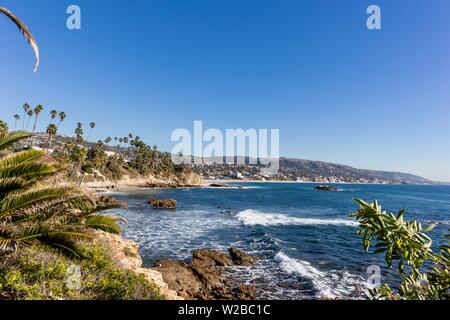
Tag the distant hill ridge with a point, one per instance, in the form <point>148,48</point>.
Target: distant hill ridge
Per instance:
<point>293,168</point>
<point>311,169</point>
<point>305,170</point>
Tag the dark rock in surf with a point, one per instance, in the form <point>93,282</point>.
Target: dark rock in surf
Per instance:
<point>241,258</point>
<point>165,204</point>
<point>223,185</point>
<point>204,278</point>
<point>326,188</point>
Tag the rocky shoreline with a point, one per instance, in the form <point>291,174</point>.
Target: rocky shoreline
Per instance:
<point>125,254</point>
<point>205,277</point>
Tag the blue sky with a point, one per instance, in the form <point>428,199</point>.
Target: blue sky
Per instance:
<point>337,91</point>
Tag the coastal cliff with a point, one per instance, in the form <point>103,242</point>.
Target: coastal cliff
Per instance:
<point>204,278</point>
<point>125,254</point>
<point>99,182</point>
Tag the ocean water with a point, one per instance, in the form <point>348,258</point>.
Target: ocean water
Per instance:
<point>306,242</point>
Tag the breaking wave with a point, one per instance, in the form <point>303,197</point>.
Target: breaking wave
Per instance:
<point>254,217</point>
<point>330,284</point>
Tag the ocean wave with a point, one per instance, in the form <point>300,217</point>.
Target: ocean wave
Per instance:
<point>330,284</point>
<point>255,217</point>
<point>437,222</point>
<point>232,187</point>
<point>111,192</point>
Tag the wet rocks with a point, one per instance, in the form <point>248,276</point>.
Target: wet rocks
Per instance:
<point>109,201</point>
<point>326,188</point>
<point>179,277</point>
<point>205,277</point>
<point>209,257</point>
<point>241,258</point>
<point>224,185</point>
<point>163,203</point>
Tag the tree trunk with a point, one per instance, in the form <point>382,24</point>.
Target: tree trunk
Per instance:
<point>50,142</point>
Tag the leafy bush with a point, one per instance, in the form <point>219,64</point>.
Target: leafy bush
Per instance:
<point>424,274</point>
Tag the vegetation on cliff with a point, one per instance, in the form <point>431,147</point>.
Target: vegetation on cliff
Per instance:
<point>110,159</point>
<point>47,229</point>
<point>33,274</point>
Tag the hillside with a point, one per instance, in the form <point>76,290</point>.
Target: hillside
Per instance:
<point>316,169</point>
<point>306,170</point>
<point>291,169</point>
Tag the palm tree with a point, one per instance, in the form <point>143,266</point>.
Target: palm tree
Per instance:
<point>37,110</point>
<point>25,32</point>
<point>53,115</point>
<point>108,140</point>
<point>62,116</point>
<point>29,114</point>
<point>79,133</point>
<point>16,118</point>
<point>35,212</point>
<point>26,107</point>
<point>52,129</point>
<point>91,126</point>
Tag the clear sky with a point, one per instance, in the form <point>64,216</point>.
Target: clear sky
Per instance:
<point>337,91</point>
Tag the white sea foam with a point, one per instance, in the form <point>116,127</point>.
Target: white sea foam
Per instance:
<point>328,284</point>
<point>174,234</point>
<point>255,217</point>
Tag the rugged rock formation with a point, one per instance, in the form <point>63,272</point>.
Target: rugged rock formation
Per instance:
<point>205,277</point>
<point>100,182</point>
<point>109,201</point>
<point>241,258</point>
<point>163,203</point>
<point>125,254</point>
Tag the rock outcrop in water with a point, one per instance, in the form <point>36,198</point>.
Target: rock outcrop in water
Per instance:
<point>204,278</point>
<point>224,185</point>
<point>241,258</point>
<point>163,203</point>
<point>326,188</point>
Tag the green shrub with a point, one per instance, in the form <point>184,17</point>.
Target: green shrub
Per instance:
<point>424,274</point>
<point>34,274</point>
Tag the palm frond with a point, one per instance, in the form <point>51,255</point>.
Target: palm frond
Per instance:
<point>8,233</point>
<point>103,223</point>
<point>8,139</point>
<point>10,185</point>
<point>32,198</point>
<point>15,159</point>
<point>26,33</point>
<point>66,243</point>
<point>27,171</point>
